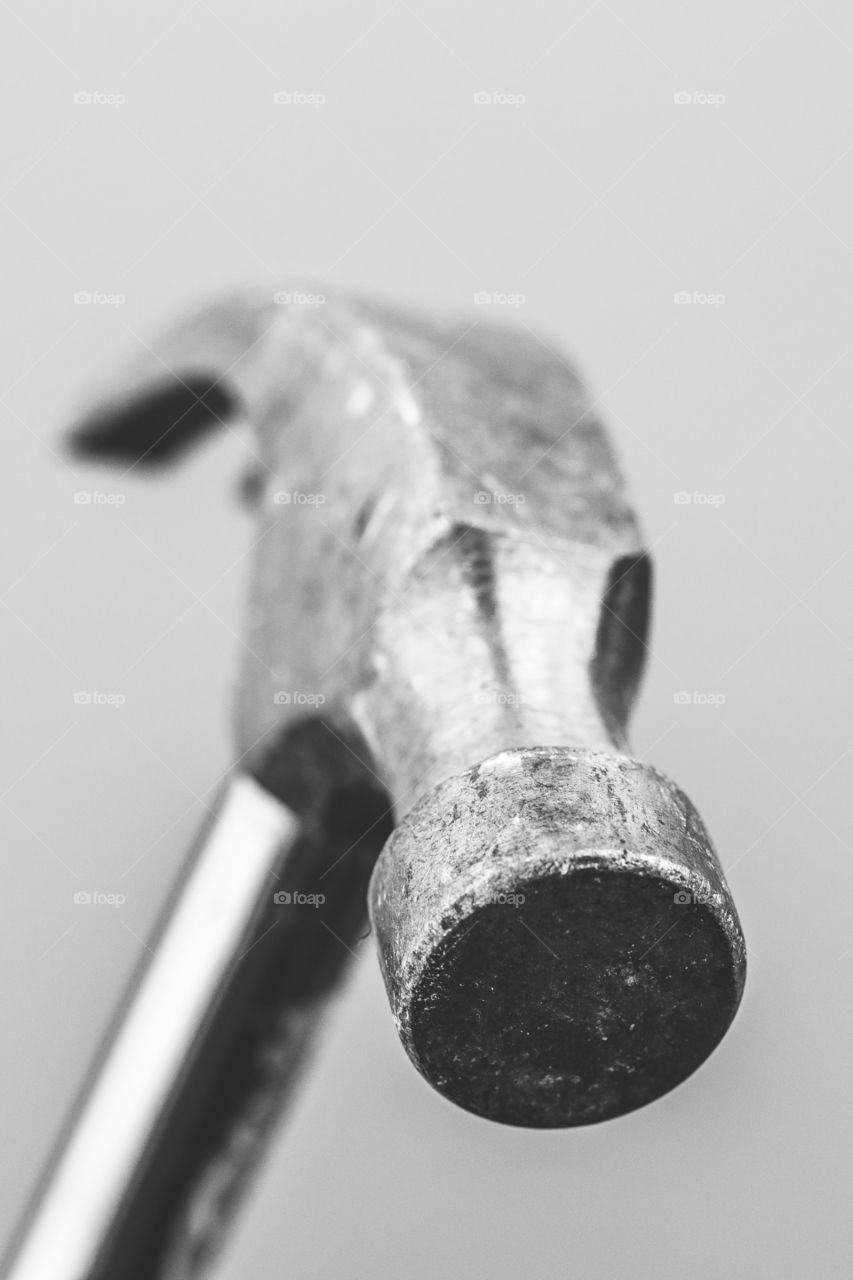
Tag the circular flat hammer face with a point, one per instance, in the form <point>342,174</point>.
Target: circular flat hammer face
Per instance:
<point>557,939</point>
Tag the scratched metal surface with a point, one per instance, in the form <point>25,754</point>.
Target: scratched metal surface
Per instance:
<point>558,940</point>
<point>394,438</point>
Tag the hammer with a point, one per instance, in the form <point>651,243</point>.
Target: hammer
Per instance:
<point>446,630</point>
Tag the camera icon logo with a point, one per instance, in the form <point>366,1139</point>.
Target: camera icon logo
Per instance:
<point>681,99</point>
<point>682,898</point>
<point>282,898</point>
<point>83,898</point>
<point>482,99</point>
<point>82,698</point>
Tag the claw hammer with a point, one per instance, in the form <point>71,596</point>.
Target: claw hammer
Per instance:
<point>446,630</point>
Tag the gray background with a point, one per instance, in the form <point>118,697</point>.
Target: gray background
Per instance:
<point>598,198</point>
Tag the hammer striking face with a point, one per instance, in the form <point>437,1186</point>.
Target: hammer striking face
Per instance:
<point>449,577</point>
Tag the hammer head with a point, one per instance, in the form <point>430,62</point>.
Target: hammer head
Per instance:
<point>448,571</point>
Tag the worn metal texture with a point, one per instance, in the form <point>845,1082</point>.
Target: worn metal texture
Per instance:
<point>558,941</point>
<point>447,563</point>
<point>383,444</point>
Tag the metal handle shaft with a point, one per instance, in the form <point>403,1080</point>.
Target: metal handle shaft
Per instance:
<point>150,1054</point>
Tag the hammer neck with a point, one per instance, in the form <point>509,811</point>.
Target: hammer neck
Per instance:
<point>492,643</point>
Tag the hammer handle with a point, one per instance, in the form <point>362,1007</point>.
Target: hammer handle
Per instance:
<point>191,1073</point>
